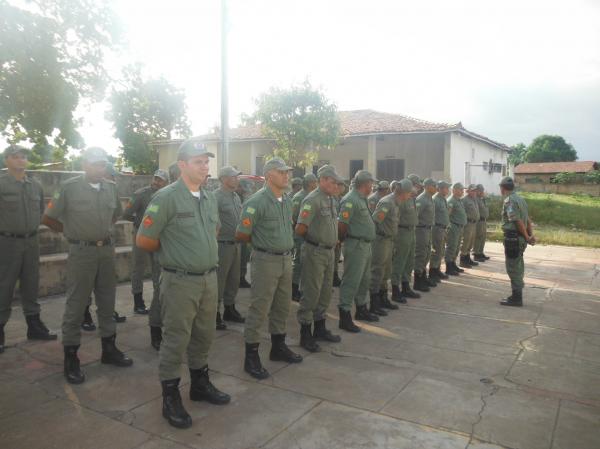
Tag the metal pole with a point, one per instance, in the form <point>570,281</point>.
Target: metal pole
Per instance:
<point>224,88</point>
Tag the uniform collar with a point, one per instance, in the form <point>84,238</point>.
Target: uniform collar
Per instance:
<point>272,196</point>
<point>180,185</point>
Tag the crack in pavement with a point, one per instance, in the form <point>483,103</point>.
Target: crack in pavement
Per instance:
<point>484,404</point>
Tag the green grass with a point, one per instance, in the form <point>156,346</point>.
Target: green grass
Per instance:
<point>552,235</point>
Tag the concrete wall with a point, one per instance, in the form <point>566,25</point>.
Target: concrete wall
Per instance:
<point>564,189</point>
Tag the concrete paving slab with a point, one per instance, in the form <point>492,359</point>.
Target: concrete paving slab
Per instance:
<point>587,347</point>
<point>19,395</point>
<point>553,341</point>
<point>578,427</point>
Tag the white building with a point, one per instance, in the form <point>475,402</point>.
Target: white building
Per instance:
<point>390,146</point>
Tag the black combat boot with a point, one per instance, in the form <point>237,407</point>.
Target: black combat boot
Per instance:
<point>155,337</point>
<point>346,322</point>
<point>430,282</point>
<point>220,324</point>
<point>172,408</point>
<point>363,314</point>
<point>464,262</point>
<point>280,351</point>
<point>88,322</point>
<point>407,292</point>
<point>515,300</point>
<point>36,330</point>
<point>202,389</point>
<point>72,370</point>
<point>231,314</point>
<point>118,318</point>
<point>2,338</point>
<point>252,363</point>
<point>244,283</point>
<point>306,339</point>
<point>450,270</point>
<point>111,354</point>
<point>397,295</point>
<point>385,301</point>
<point>375,306</point>
<point>457,268</point>
<point>336,279</point>
<point>296,294</point>
<point>139,306</point>
<point>420,284</point>
<point>479,257</point>
<point>323,334</point>
<point>485,257</point>
<point>471,261</point>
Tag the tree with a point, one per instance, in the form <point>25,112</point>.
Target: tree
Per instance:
<point>517,154</point>
<point>547,148</point>
<point>146,110</point>
<point>301,120</point>
<point>51,56</point>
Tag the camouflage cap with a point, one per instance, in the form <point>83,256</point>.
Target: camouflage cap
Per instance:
<point>94,154</point>
<point>162,174</point>
<point>507,181</point>
<point>363,176</point>
<point>328,171</point>
<point>276,164</point>
<point>458,185</point>
<point>415,179</point>
<point>480,187</point>
<point>383,185</point>
<point>309,177</point>
<point>472,187</point>
<point>14,149</point>
<point>228,170</point>
<point>393,184</point>
<point>442,184</point>
<point>191,148</point>
<point>404,186</point>
<point>296,181</point>
<point>429,182</point>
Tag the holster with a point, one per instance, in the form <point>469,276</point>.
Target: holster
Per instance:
<point>512,249</point>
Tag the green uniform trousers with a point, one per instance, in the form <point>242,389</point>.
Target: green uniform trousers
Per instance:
<point>19,260</point>
<point>139,261</point>
<point>403,260</point>
<point>468,239</point>
<point>515,268</point>
<point>480,236</point>
<point>381,265</point>
<point>297,259</point>
<point>89,269</point>
<point>154,312</point>
<point>422,248</point>
<point>188,309</point>
<point>245,250</point>
<point>270,294</point>
<point>455,233</point>
<point>338,254</point>
<point>228,273</point>
<point>316,278</point>
<point>438,246</point>
<point>357,273</point>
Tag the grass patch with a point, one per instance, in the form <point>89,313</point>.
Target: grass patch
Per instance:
<point>552,235</point>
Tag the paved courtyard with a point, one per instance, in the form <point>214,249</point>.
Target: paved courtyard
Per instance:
<point>451,370</point>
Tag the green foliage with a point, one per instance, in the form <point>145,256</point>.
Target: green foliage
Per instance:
<point>552,235</point>
<point>592,177</point>
<point>145,110</point>
<point>517,154</point>
<point>547,148</point>
<point>565,178</point>
<point>51,56</point>
<point>301,120</point>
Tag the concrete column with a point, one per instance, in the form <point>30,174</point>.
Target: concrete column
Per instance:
<point>372,156</point>
<point>253,159</point>
<point>447,157</point>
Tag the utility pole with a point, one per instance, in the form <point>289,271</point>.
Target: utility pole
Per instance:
<point>224,87</point>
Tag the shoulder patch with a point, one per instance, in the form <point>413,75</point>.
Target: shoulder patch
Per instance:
<point>147,222</point>
<point>306,207</point>
<point>56,195</point>
<point>384,209</point>
<point>345,214</point>
<point>246,222</point>
<point>250,210</point>
<point>153,208</point>
<point>348,205</point>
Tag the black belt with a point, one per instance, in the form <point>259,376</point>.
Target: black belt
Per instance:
<point>472,221</point>
<point>273,253</point>
<point>227,242</point>
<point>318,245</point>
<point>18,236</point>
<point>406,227</point>
<point>424,226</point>
<point>482,219</point>
<point>439,225</point>
<point>189,273</point>
<point>457,224</point>
<point>359,238</point>
<point>104,242</point>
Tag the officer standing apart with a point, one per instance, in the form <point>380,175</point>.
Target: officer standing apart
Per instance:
<point>317,225</point>
<point>266,222</point>
<point>439,231</point>
<point>356,230</point>
<point>309,183</point>
<point>426,216</point>
<point>472,210</point>
<point>458,220</point>
<point>228,274</point>
<point>383,189</point>
<point>518,233</point>
<point>182,223</point>
<point>21,206</point>
<point>85,209</point>
<point>481,229</point>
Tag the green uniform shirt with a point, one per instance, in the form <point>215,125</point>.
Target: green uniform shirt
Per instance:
<point>484,210</point>
<point>86,213</point>
<point>230,208</point>
<point>385,216</point>
<point>134,211</point>
<point>425,209</point>
<point>441,210</point>
<point>355,213</point>
<point>186,227</point>
<point>514,208</point>
<point>268,221</point>
<point>407,213</point>
<point>372,200</point>
<point>456,211</point>
<point>296,202</point>
<point>21,204</point>
<point>318,212</point>
<point>471,208</point>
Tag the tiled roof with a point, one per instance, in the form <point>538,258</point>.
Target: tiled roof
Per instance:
<point>556,167</point>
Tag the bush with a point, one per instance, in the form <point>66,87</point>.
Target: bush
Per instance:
<point>592,177</point>
<point>564,178</point>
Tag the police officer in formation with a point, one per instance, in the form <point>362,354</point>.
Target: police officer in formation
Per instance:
<point>181,223</point>
<point>382,189</point>
<point>266,223</point>
<point>472,210</point>
<point>85,209</point>
<point>426,220</point>
<point>21,207</point>
<point>481,229</point>
<point>296,186</point>
<point>439,231</point>
<point>244,191</point>
<point>317,225</point>
<point>337,199</point>
<point>458,219</point>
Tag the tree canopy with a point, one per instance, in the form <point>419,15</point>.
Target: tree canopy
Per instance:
<point>300,119</point>
<point>546,148</point>
<point>517,156</point>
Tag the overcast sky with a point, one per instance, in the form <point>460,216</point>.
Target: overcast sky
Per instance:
<point>509,70</point>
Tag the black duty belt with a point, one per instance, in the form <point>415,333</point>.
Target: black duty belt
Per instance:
<point>98,243</point>
<point>189,273</point>
<point>472,221</point>
<point>439,225</point>
<point>273,253</point>
<point>359,238</point>
<point>227,242</point>
<point>318,245</point>
<point>406,227</point>
<point>18,236</point>
<point>424,226</point>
